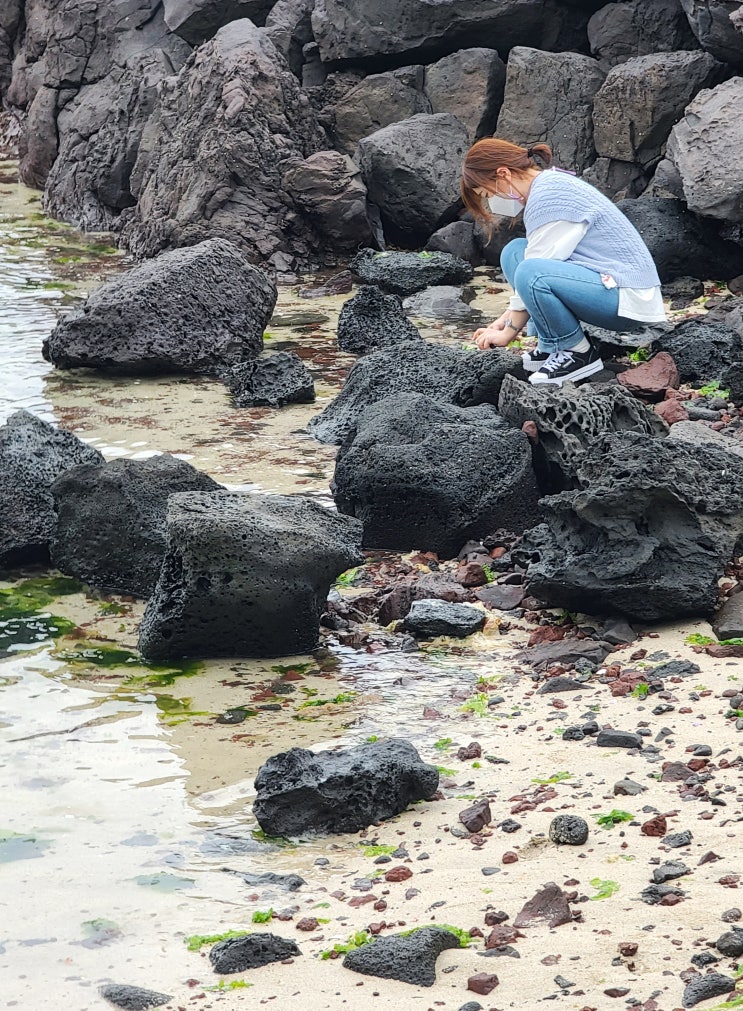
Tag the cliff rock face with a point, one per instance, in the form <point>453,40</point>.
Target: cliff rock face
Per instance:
<point>86,78</point>
<point>211,161</point>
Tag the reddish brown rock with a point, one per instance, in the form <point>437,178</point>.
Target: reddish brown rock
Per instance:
<point>671,411</point>
<point>307,923</point>
<point>674,772</point>
<point>656,826</point>
<point>501,935</point>
<point>398,874</point>
<point>477,816</point>
<point>650,380</point>
<point>482,983</point>
<point>472,750</point>
<point>549,905</point>
<point>627,948</point>
<point>471,574</point>
<point>509,857</point>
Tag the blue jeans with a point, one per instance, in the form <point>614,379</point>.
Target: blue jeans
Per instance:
<point>558,295</point>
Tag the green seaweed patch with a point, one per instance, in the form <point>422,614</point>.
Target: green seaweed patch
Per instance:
<point>477,704</point>
<point>164,882</point>
<point>174,711</point>
<point>443,771</point>
<point>197,941</point>
<point>381,850</point>
<point>604,889</point>
<point>272,840</point>
<point>614,817</point>
<point>294,668</point>
<point>443,744</point>
<point>88,654</point>
<point>357,940</point>
<point>232,984</point>
<point>347,578</point>
<point>34,595</point>
<point>32,630</point>
<point>20,846</point>
<point>557,777</point>
<point>336,700</point>
<point>262,916</point>
<point>463,936</point>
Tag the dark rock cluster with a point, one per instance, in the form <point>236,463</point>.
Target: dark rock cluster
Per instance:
<point>301,129</point>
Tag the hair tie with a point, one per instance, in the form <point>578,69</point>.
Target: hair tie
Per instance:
<point>530,152</point>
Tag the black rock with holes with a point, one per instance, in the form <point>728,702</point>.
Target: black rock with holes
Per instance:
<point>200,309</point>
<point>647,533</point>
<point>245,575</point>
<point>346,790</point>
<point>110,529</point>
<point>33,454</point>
<point>372,320</point>
<point>236,954</point>
<point>410,958</point>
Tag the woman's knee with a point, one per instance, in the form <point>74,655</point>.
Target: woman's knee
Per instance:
<point>529,271</point>
<point>511,256</point>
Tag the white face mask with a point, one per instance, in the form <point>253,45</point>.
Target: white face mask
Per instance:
<point>508,206</point>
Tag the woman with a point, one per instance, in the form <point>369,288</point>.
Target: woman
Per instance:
<point>581,259</point>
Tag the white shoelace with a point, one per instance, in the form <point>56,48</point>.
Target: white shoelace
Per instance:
<point>556,360</point>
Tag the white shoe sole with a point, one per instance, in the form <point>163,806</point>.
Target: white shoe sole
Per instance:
<point>529,365</point>
<point>539,378</point>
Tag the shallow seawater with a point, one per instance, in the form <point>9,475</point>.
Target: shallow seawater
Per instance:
<point>126,788</point>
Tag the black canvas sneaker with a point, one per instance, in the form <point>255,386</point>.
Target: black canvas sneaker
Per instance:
<point>568,367</point>
<point>534,360</point>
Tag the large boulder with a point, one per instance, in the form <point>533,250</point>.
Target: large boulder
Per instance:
<point>376,102</point>
<point>199,20</point>
<point>617,180</point>
<point>620,31</point>
<point>549,98</point>
<point>86,77</point>
<point>245,575</point>
<point>33,454</point>
<point>681,244</point>
<point>570,419</point>
<point>715,29</point>
<point>469,85</point>
<point>361,30</point>
<point>647,533</point>
<point>110,529</point>
<point>346,790</point>
<point>199,310</point>
<point>372,320</point>
<point>705,148</point>
<point>271,381</point>
<point>412,171</point>
<point>707,350</point>
<point>641,100</point>
<point>406,273</point>
<point>328,188</point>
<point>426,475</point>
<point>215,150</point>
<point>445,375</point>
<point>457,238</point>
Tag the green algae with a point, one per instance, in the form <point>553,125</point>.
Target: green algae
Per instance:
<point>197,941</point>
<point>174,711</point>
<point>87,654</point>
<point>32,631</point>
<point>33,595</point>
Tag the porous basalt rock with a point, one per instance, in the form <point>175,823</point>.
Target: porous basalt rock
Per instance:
<point>406,273</point>
<point>681,243</point>
<point>376,102</point>
<point>245,575</point>
<point>271,381</point>
<point>647,533</point>
<point>213,167</point>
<point>33,454</point>
<point>714,984</point>
<point>110,529</point>
<point>340,791</point>
<point>707,350</point>
<point>132,998</point>
<point>198,310</point>
<point>444,375</point>
<point>569,830</point>
<point>372,320</point>
<point>419,474</point>
<point>236,954</point>
<point>468,84</point>
<point>409,958</point>
<point>569,420</point>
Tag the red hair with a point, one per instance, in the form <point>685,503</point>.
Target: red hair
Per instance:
<point>481,164</point>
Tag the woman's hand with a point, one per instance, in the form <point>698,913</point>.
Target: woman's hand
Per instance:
<point>497,334</point>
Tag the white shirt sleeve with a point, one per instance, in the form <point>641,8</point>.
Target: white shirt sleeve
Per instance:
<point>554,241</point>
